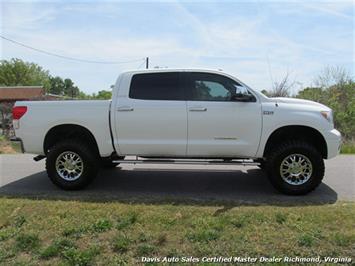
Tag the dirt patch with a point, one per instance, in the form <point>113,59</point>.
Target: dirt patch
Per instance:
<point>6,147</point>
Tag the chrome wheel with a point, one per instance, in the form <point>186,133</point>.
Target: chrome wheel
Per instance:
<point>296,169</point>
<point>69,166</point>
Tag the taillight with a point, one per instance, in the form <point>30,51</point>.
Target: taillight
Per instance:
<point>18,112</point>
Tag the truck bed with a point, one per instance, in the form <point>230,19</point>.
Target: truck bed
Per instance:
<point>41,116</point>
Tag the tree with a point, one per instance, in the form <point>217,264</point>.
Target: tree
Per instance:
<point>336,89</point>
<point>333,75</point>
<point>102,95</point>
<point>70,89</point>
<point>282,88</point>
<point>312,93</point>
<point>64,87</point>
<point>57,86</point>
<point>16,72</point>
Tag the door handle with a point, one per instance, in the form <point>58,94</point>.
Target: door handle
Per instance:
<point>124,109</point>
<point>197,109</point>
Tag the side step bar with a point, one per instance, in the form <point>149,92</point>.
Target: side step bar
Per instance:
<point>38,158</point>
<point>186,161</point>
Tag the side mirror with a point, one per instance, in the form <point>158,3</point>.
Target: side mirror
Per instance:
<point>240,97</point>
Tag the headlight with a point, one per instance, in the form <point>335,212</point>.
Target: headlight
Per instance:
<point>327,115</point>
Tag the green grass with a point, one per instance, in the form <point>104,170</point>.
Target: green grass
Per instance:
<point>57,248</point>
<point>78,257</point>
<point>121,243</point>
<point>348,147</point>
<point>126,220</point>
<point>41,232</point>
<point>16,147</point>
<point>27,242</point>
<point>102,225</point>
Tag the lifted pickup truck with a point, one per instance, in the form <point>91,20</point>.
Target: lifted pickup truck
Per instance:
<point>180,116</point>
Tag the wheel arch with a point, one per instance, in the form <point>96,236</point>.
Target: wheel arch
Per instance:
<point>297,132</point>
<point>69,131</point>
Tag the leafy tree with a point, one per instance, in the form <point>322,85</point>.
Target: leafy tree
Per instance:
<point>57,86</point>
<point>70,89</point>
<point>336,90</point>
<point>102,95</point>
<point>83,96</point>
<point>64,87</point>
<point>16,72</point>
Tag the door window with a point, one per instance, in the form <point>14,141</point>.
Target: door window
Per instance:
<point>210,91</point>
<point>156,86</point>
<point>210,87</point>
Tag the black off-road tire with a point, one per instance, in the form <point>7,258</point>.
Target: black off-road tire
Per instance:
<point>277,155</point>
<point>89,159</point>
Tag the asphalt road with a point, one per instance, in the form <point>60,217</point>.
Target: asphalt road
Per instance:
<point>21,177</point>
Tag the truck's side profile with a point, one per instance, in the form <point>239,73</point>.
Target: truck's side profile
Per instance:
<point>180,116</point>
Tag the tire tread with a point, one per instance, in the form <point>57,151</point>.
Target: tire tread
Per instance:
<point>296,144</point>
<point>89,157</point>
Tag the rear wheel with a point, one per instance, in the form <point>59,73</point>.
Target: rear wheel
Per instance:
<point>295,168</point>
<point>71,165</point>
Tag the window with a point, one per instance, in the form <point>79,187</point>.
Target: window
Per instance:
<point>211,87</point>
<point>156,86</point>
<point>210,91</point>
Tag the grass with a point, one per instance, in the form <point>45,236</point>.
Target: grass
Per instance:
<point>102,225</point>
<point>121,243</point>
<point>27,242</point>
<point>57,248</point>
<point>77,257</point>
<point>7,147</point>
<point>348,147</point>
<point>40,232</point>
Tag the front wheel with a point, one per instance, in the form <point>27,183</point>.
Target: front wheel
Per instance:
<point>295,168</point>
<point>71,165</point>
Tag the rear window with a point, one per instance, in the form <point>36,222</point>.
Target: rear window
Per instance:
<point>156,86</point>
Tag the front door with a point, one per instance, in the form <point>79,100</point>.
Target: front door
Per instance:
<point>217,125</point>
<point>152,120</point>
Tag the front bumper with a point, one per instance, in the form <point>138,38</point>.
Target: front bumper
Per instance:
<point>19,141</point>
<point>333,139</point>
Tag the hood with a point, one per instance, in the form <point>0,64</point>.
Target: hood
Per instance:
<point>299,101</point>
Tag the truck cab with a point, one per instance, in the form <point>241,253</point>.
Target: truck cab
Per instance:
<point>185,114</point>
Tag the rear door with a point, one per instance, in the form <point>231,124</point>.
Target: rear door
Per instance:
<point>151,119</point>
<point>218,126</point>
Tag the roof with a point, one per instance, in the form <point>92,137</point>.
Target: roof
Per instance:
<point>204,70</point>
<point>166,69</point>
<point>21,92</point>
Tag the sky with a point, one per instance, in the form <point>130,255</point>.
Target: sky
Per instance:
<point>256,41</point>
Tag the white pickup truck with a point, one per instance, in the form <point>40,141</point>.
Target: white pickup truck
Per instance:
<point>180,116</point>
